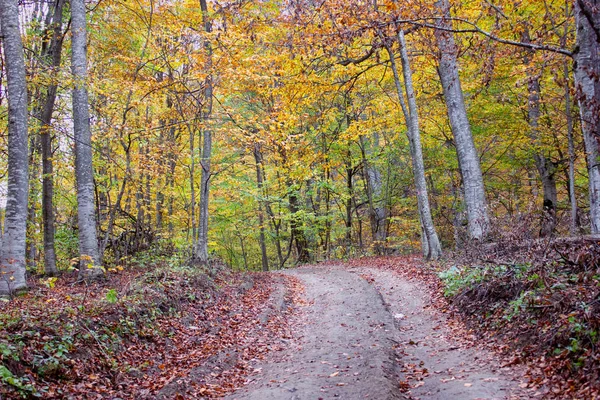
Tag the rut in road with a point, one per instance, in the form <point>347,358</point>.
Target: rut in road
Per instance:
<point>350,346</point>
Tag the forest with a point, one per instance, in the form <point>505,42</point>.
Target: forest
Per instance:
<point>159,157</point>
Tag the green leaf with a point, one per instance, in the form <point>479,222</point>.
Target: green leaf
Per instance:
<point>111,296</point>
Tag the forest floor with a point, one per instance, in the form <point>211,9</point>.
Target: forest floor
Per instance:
<point>369,328</point>
<point>370,333</point>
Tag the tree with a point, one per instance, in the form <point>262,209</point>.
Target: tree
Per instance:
<point>261,217</point>
<point>378,208</point>
<point>12,254</point>
<point>544,165</point>
<point>587,71</point>
<point>201,247</point>
<point>468,159</point>
<point>432,248</point>
<point>51,56</point>
<point>86,212</point>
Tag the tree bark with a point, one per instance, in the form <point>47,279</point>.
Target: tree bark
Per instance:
<point>12,254</point>
<point>52,56</point>
<point>431,246</point>
<point>435,247</point>
<point>86,216</point>
<point>476,205</point>
<point>201,250</point>
<point>587,70</point>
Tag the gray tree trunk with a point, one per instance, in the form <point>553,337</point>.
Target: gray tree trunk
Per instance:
<point>378,210</point>
<point>545,167</point>
<point>434,245</point>
<point>193,183</point>
<point>51,56</point>
<point>430,243</point>
<point>89,266</point>
<point>476,205</point>
<point>12,254</point>
<point>587,70</point>
<point>574,226</point>
<point>261,216</point>
<point>201,250</point>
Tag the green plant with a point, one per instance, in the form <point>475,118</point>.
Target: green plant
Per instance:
<point>112,296</point>
<point>8,350</point>
<point>516,306</point>
<point>455,279</point>
<point>22,385</point>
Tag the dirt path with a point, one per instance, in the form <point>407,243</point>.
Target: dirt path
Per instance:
<point>435,362</point>
<point>366,334</point>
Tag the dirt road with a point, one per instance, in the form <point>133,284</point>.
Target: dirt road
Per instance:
<point>368,334</point>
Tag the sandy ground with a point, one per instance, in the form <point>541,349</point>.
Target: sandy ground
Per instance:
<point>375,338</point>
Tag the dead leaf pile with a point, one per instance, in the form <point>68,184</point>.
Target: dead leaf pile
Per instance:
<point>170,334</point>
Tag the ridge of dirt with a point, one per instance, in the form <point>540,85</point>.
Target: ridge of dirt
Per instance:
<point>230,364</point>
<point>440,360</point>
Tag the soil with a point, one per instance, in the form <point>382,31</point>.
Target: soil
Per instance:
<point>366,333</point>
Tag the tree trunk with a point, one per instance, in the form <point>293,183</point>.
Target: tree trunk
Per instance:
<point>51,56</point>
<point>243,247</point>
<point>261,217</point>
<point>574,226</point>
<point>349,194</point>
<point>34,176</point>
<point>435,247</point>
<point>430,243</point>
<point>477,213</point>
<point>587,70</point>
<point>171,178</point>
<point>378,212</point>
<point>12,254</point>
<point>86,216</point>
<point>201,250</point>
<point>192,184</point>
<point>544,165</point>
<point>297,228</point>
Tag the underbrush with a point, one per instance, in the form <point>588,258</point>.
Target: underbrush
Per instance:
<point>110,337</point>
<point>542,297</point>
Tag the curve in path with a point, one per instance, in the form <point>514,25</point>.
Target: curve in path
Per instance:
<point>350,346</point>
<point>344,350</point>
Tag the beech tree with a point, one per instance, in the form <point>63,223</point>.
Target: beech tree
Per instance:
<point>432,248</point>
<point>201,247</point>
<point>12,253</point>
<point>468,158</point>
<point>587,71</point>
<point>86,211</point>
<point>51,57</point>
